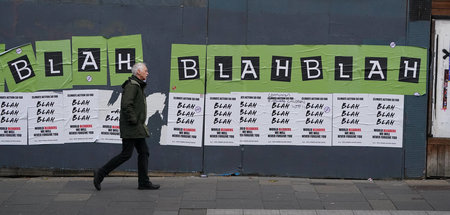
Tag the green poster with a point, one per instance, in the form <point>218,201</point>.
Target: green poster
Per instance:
<point>54,65</point>
<point>89,64</point>
<point>187,73</point>
<point>123,53</point>
<point>316,69</point>
<point>18,68</point>
<point>2,79</point>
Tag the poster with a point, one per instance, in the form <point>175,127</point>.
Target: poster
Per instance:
<point>351,120</point>
<point>123,53</point>
<point>386,120</point>
<point>186,96</point>
<point>316,119</point>
<point>221,120</point>
<point>109,116</point>
<point>45,118</point>
<point>185,119</point>
<point>13,118</point>
<point>254,111</point>
<point>18,66</point>
<point>54,64</point>
<point>187,69</point>
<point>81,115</point>
<point>284,118</point>
<point>89,60</point>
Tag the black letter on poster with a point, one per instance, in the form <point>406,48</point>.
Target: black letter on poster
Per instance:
<point>89,59</point>
<point>188,68</point>
<point>250,68</point>
<point>21,69</point>
<point>281,68</point>
<point>343,68</point>
<point>125,59</point>
<point>53,64</point>
<point>409,70</point>
<point>311,68</point>
<point>223,67</point>
<point>375,69</point>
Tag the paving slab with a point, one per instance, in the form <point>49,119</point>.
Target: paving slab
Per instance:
<point>232,194</point>
<point>261,212</point>
<point>406,212</point>
<point>192,211</point>
<point>413,205</point>
<point>168,204</point>
<point>307,195</point>
<point>197,195</point>
<point>298,212</point>
<point>342,197</point>
<point>64,208</point>
<point>338,188</point>
<point>334,212</point>
<point>347,206</point>
<point>278,196</point>
<point>382,205</point>
<point>281,205</point>
<point>66,197</point>
<point>311,204</point>
<point>225,212</point>
<point>198,204</point>
<point>156,212</point>
<point>239,204</point>
<point>304,188</point>
<point>375,194</point>
<point>366,212</point>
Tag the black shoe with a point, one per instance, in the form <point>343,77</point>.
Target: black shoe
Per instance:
<point>97,180</point>
<point>148,187</point>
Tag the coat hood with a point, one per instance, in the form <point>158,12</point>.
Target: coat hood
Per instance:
<point>134,79</point>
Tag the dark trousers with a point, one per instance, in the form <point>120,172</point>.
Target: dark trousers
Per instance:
<point>127,151</point>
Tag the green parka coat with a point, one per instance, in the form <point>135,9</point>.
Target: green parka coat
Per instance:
<point>133,109</point>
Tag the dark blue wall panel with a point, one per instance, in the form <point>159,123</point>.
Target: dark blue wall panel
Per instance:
<point>323,162</point>
<point>165,22</point>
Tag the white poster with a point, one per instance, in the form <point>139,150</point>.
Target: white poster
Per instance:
<point>254,112</point>
<point>13,118</point>
<point>185,119</point>
<point>284,118</point>
<point>221,120</point>
<point>386,120</point>
<point>81,113</point>
<point>316,119</point>
<point>45,118</point>
<point>109,116</point>
<point>351,120</point>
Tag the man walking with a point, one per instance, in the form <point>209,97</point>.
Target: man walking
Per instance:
<point>133,131</point>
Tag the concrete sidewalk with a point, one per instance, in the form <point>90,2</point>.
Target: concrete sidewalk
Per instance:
<point>223,195</point>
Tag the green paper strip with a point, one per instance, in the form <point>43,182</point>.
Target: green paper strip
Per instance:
<point>121,48</point>
<point>18,67</point>
<point>2,79</point>
<point>57,74</point>
<point>91,69</point>
<point>192,85</point>
<point>328,84</point>
<point>297,84</point>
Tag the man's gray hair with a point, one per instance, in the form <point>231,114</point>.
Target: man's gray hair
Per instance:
<point>137,66</point>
